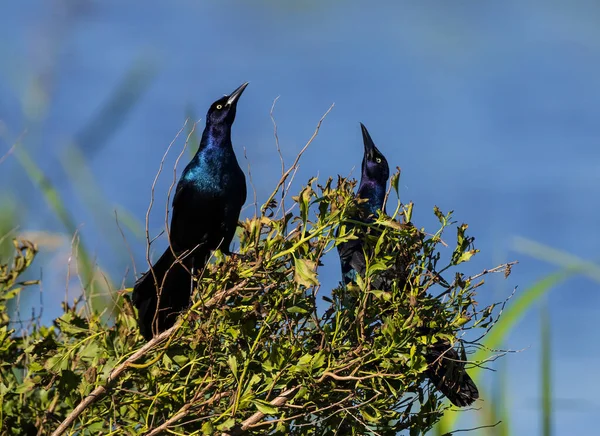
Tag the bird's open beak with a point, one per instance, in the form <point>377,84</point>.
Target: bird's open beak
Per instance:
<point>368,142</point>
<point>235,95</point>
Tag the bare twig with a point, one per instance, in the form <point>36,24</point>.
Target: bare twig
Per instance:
<point>471,429</point>
<point>186,409</point>
<point>502,307</point>
<point>295,164</point>
<point>356,418</point>
<point>254,200</point>
<point>499,268</point>
<point>114,375</point>
<point>152,189</point>
<point>174,182</point>
<point>162,162</point>
<point>69,260</point>
<point>13,147</point>
<point>276,135</point>
<point>278,401</point>
<point>126,244</point>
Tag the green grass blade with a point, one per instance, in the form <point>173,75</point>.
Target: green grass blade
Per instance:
<point>557,257</point>
<point>84,261</point>
<point>546,370</point>
<point>117,108</point>
<point>48,190</point>
<point>513,313</point>
<point>85,185</point>
<point>503,429</point>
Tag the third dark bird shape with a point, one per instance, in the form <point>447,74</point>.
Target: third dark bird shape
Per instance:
<point>206,209</point>
<point>447,371</point>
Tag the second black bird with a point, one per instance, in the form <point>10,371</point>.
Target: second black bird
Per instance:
<point>446,370</point>
<point>206,209</point>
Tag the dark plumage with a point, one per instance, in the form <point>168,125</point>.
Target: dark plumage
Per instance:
<point>374,175</point>
<point>206,208</point>
<point>446,370</point>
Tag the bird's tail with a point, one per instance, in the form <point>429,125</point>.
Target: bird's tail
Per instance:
<point>157,314</point>
<point>447,372</point>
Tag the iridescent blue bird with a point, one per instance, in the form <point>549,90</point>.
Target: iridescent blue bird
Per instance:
<point>446,369</point>
<point>206,209</point>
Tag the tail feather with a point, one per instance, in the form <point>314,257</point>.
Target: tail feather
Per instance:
<point>447,372</point>
<point>155,314</point>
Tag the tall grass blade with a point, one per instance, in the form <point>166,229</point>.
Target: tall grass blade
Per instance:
<point>119,106</point>
<point>546,371</point>
<point>557,257</point>
<point>75,165</point>
<point>511,316</point>
<point>52,197</point>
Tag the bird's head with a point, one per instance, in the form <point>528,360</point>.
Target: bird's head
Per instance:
<point>223,110</point>
<point>374,165</point>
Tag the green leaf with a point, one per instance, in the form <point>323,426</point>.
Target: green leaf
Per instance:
<point>208,428</point>
<point>466,256</point>
<point>232,362</point>
<point>27,386</point>
<point>371,418</point>
<point>440,216</point>
<point>304,272</point>
<point>408,210</point>
<point>265,407</point>
<point>387,296</point>
<point>180,359</point>
<point>394,181</point>
<point>35,367</point>
<point>228,424</point>
<point>318,360</point>
<point>296,309</point>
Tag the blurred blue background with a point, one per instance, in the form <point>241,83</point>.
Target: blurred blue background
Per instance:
<point>490,108</point>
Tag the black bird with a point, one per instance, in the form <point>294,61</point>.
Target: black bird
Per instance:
<point>206,208</point>
<point>446,370</point>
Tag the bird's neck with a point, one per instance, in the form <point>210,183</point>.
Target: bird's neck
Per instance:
<point>216,136</point>
<point>374,193</point>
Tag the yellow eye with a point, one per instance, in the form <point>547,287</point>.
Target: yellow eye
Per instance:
<point>219,106</point>
<point>378,159</point>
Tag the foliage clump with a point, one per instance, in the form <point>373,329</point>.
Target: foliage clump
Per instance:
<point>264,349</point>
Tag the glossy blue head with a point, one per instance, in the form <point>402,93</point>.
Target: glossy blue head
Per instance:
<point>222,111</point>
<point>375,167</point>
<point>375,174</point>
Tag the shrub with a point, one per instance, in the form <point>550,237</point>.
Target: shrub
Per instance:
<point>263,349</point>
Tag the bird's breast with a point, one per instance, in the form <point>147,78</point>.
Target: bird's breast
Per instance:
<point>215,171</point>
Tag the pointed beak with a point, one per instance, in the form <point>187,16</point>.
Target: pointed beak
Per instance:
<point>235,95</point>
<point>368,142</point>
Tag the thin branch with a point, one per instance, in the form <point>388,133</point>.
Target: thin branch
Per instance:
<point>114,375</point>
<point>155,278</point>
<point>185,409</point>
<point>69,260</point>
<point>471,429</point>
<point>279,401</point>
<point>126,244</point>
<point>13,147</point>
<point>152,190</point>
<point>254,200</point>
<point>295,164</point>
<point>276,135</point>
